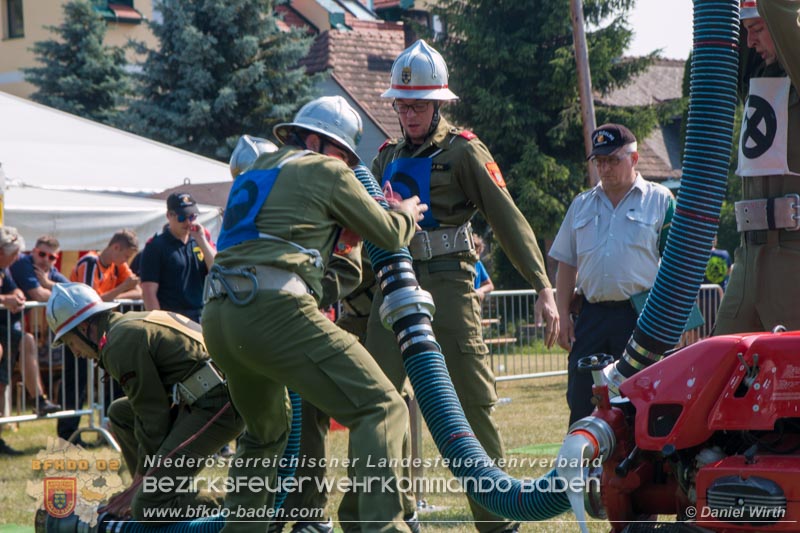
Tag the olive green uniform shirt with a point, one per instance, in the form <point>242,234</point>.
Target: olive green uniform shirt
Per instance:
<point>312,198</point>
<point>147,359</point>
<point>760,294</point>
<point>465,179</point>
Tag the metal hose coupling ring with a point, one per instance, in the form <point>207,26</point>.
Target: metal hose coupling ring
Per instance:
<point>406,301</point>
<point>613,378</point>
<point>602,432</point>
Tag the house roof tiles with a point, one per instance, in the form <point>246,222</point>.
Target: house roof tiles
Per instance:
<point>661,82</point>
<point>361,61</point>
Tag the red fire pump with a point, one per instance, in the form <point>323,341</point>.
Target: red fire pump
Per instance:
<point>710,434</point>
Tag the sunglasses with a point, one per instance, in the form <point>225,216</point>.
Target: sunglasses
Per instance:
<point>184,218</point>
<point>51,257</point>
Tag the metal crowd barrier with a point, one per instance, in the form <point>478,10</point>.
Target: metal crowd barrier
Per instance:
<point>38,368</point>
<point>515,337</point>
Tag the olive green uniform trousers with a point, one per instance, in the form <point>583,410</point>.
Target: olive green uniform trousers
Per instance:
<point>188,422</point>
<point>457,326</point>
<point>281,340</point>
<point>762,292</point>
<point>313,440</point>
<point>313,443</point>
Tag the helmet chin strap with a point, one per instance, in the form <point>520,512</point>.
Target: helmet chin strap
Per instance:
<point>295,139</point>
<point>435,120</point>
<point>89,342</point>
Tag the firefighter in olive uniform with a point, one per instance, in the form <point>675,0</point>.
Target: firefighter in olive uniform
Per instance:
<point>262,323</point>
<point>451,170</point>
<point>342,282</point>
<point>760,294</point>
<point>349,264</point>
<point>172,393</point>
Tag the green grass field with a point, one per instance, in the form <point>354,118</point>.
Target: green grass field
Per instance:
<point>533,424</point>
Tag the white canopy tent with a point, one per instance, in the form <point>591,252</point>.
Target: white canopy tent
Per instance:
<point>87,220</point>
<point>81,181</point>
<point>43,147</point>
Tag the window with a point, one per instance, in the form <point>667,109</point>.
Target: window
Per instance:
<point>121,11</point>
<point>16,24</point>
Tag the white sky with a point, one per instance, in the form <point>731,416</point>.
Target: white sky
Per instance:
<point>663,24</point>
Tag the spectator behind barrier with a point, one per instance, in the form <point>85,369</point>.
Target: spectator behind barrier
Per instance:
<point>13,300</point>
<point>108,273</point>
<point>175,262</point>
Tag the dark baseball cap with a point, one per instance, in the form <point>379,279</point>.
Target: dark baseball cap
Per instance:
<point>609,138</point>
<point>182,203</point>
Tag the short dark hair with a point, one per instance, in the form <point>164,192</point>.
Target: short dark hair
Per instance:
<point>125,238</point>
<point>48,240</point>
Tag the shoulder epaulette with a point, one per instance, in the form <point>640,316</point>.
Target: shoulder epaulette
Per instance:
<point>386,143</point>
<point>468,135</point>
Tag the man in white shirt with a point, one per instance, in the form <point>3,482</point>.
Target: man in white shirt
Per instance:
<point>608,248</point>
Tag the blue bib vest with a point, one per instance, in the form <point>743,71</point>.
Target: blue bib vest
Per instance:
<point>248,194</point>
<point>411,176</point>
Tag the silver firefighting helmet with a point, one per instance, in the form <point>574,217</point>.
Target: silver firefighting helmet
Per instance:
<point>748,9</point>
<point>330,116</point>
<point>420,72</point>
<point>69,305</point>
<point>247,151</point>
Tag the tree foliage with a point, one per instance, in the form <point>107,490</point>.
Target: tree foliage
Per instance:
<point>512,64</point>
<point>79,74</point>
<point>223,68</point>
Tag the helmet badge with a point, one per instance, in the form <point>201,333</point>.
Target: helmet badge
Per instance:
<point>405,75</point>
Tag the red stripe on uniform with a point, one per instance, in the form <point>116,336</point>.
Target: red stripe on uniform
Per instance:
<point>419,87</point>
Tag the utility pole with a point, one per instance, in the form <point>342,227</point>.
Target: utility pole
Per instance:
<point>584,81</point>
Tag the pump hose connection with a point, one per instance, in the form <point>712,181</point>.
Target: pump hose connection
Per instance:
<point>709,138</point>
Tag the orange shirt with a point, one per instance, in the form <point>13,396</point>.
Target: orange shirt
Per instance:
<point>90,271</point>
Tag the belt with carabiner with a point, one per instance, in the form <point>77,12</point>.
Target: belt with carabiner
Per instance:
<point>359,304</point>
<point>242,284</point>
<point>197,385</point>
<point>781,213</point>
<point>441,241</point>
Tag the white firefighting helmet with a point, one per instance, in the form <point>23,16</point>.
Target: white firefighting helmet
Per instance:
<point>69,305</point>
<point>330,116</point>
<point>748,10</point>
<point>420,72</point>
<point>247,151</point>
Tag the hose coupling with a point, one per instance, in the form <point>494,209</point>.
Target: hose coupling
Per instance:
<point>406,301</point>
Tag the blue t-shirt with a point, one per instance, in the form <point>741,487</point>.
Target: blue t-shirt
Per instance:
<point>7,286</point>
<point>24,274</point>
<point>179,270</point>
<point>480,274</point>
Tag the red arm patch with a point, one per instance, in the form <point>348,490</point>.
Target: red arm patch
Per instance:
<point>468,135</point>
<point>384,145</point>
<point>347,240</point>
<point>494,171</point>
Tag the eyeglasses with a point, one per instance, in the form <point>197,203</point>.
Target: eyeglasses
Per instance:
<point>184,218</point>
<point>418,107</point>
<point>51,257</point>
<point>610,160</point>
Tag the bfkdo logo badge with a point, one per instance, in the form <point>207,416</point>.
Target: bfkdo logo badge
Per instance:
<point>60,495</point>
